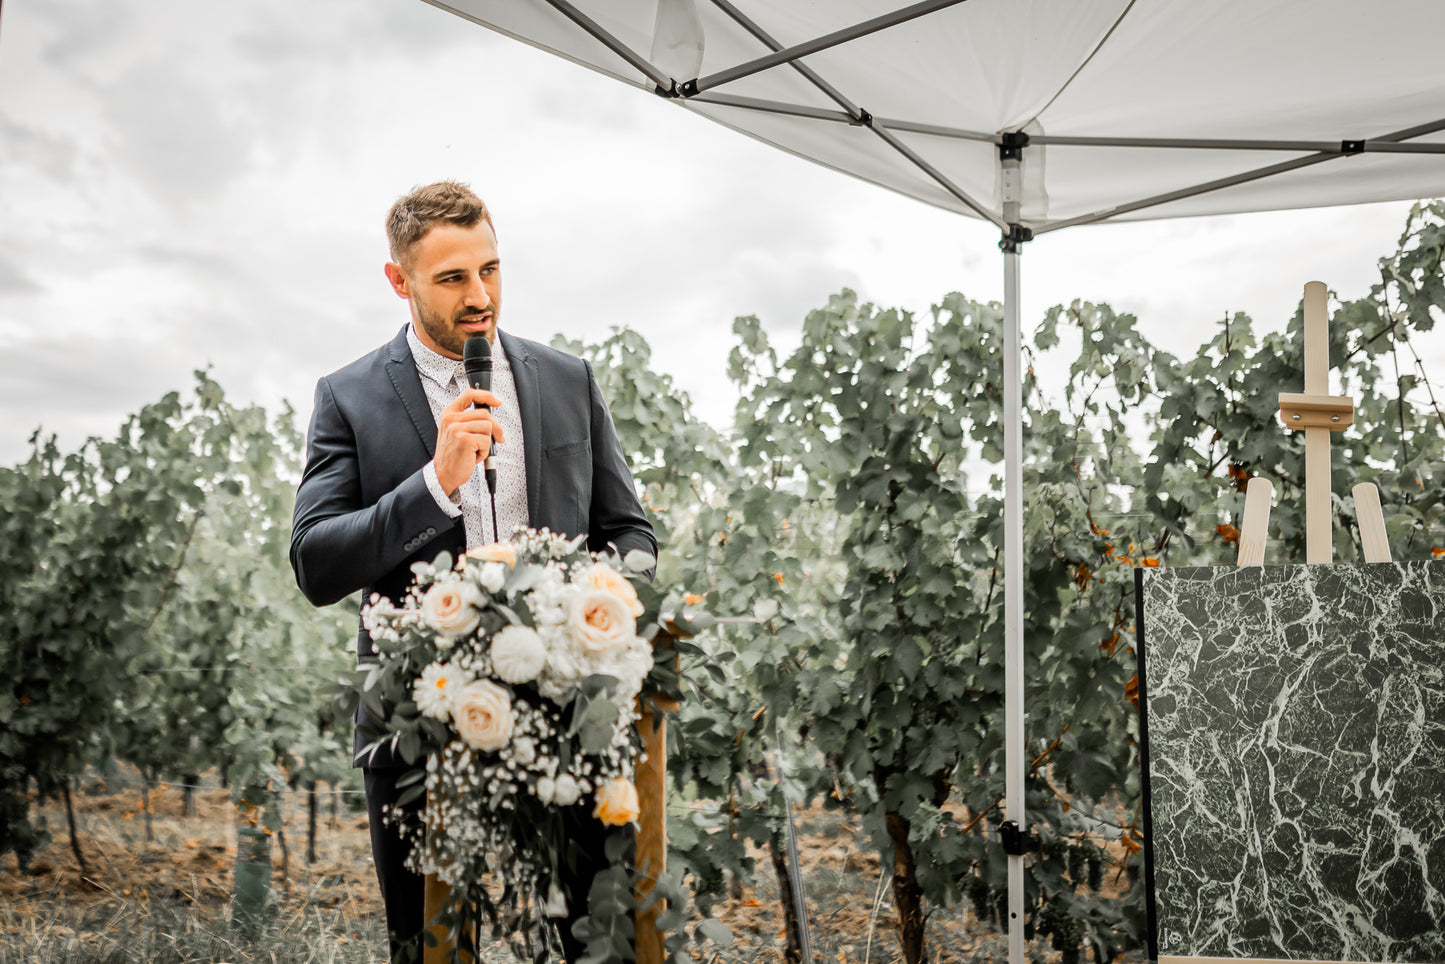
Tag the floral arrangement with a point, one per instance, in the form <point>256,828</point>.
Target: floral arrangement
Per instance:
<point>511,682</point>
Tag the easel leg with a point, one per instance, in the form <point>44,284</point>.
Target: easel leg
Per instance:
<point>1371,519</point>
<point>1254,532</point>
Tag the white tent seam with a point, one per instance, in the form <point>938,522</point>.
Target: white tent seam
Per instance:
<point>594,29</point>
<point>816,45</point>
<point>1078,70</point>
<point>892,141</point>
<point>861,115</point>
<point>811,75</point>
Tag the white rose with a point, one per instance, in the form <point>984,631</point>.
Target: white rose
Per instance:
<point>562,664</point>
<point>566,791</point>
<point>629,682</point>
<point>600,621</point>
<point>556,905</point>
<point>558,691</point>
<point>493,576</point>
<point>546,789</point>
<point>603,577</point>
<point>483,715</point>
<point>518,654</point>
<point>448,608</point>
<point>635,657</point>
<point>558,681</point>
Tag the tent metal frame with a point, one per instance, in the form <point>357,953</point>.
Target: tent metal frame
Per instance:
<point>1011,146</point>
<point>698,89</point>
<point>788,55</point>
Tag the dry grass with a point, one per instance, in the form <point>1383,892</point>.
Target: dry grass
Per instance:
<point>850,909</point>
<point>168,901</point>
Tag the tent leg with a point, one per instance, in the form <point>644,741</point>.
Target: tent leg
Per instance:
<point>1013,601</point>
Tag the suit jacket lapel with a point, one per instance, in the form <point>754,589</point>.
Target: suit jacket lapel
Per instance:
<point>401,369</point>
<point>524,379</point>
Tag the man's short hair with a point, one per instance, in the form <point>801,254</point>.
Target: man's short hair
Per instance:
<point>423,208</point>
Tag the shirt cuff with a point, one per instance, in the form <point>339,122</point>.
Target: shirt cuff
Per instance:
<point>448,504</point>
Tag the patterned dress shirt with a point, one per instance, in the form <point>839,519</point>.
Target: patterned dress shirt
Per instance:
<point>443,379</point>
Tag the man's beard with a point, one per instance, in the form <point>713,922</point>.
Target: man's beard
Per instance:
<point>447,335</point>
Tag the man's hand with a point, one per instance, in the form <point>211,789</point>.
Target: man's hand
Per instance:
<point>464,437</point>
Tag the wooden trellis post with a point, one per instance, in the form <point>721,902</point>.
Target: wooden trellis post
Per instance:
<point>436,895</point>
<point>651,782</point>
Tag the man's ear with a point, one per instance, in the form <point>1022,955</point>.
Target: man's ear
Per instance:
<point>396,274</point>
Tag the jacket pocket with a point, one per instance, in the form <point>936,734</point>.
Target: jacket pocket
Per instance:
<point>567,448</point>
<point>567,475</point>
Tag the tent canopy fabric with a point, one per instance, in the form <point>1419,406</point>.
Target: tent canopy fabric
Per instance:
<point>1132,109</point>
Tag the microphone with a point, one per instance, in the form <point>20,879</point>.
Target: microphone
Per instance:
<point>477,360</point>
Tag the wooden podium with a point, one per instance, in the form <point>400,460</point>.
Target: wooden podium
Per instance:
<point>650,778</point>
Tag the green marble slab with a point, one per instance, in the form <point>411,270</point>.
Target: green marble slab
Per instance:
<point>1293,721</point>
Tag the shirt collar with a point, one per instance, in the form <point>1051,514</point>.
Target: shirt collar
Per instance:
<point>438,367</point>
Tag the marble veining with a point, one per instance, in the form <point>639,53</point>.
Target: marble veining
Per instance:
<point>1296,731</point>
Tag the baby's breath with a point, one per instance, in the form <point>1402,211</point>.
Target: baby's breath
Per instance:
<point>483,808</point>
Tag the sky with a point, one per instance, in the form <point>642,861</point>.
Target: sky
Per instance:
<point>188,185</point>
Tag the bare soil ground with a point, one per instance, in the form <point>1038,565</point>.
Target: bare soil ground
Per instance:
<point>170,898</point>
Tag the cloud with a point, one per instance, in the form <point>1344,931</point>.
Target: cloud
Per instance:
<point>76,32</point>
<point>189,184</point>
<point>23,146</point>
<point>176,133</point>
<point>13,280</point>
<point>43,390</point>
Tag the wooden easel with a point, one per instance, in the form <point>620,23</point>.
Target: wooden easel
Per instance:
<point>650,779</point>
<point>1317,413</point>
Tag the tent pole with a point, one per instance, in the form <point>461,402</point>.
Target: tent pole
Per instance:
<point>1013,592</point>
<point>1010,158</point>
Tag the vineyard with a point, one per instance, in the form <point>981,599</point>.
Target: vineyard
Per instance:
<point>850,522</point>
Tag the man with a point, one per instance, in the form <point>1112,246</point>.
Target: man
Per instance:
<point>392,471</point>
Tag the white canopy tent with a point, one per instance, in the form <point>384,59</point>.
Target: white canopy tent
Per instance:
<point>1038,115</point>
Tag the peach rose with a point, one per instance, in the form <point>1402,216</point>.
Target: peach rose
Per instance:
<point>495,552</point>
<point>447,609</point>
<point>601,622</point>
<point>482,712</point>
<point>604,577</point>
<point>617,803</point>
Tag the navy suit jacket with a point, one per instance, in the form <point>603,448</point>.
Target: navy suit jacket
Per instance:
<point>363,511</point>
